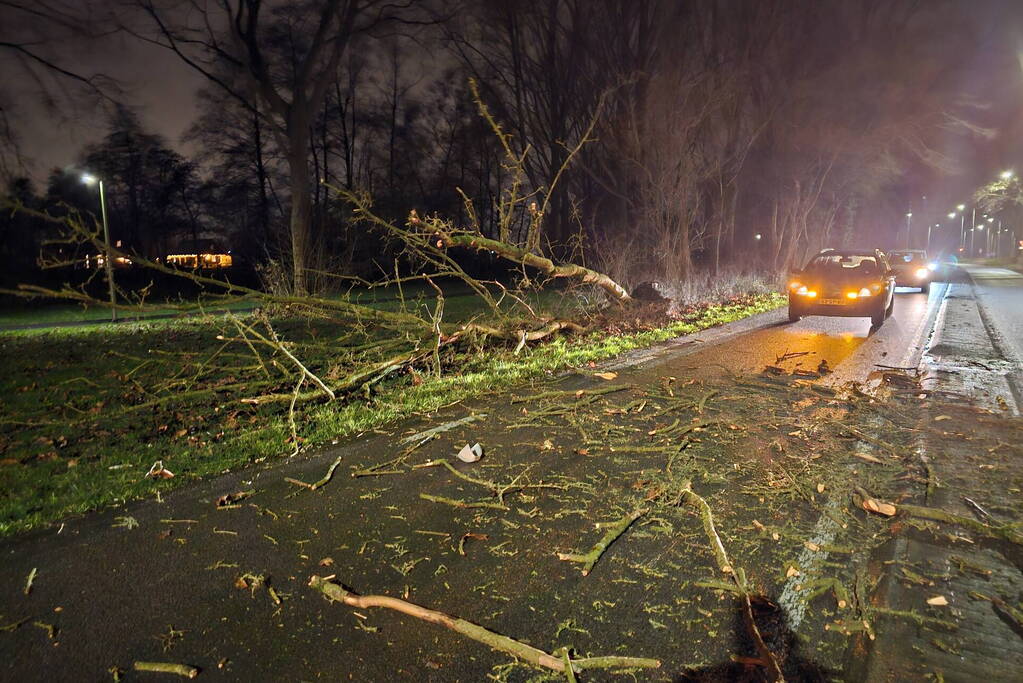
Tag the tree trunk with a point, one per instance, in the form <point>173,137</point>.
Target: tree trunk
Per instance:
<point>301,210</point>
<point>264,199</point>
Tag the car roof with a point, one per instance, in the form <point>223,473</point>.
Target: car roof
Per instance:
<point>847,252</point>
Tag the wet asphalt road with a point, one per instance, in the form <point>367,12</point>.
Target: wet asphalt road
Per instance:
<point>111,590</point>
<point>849,345</point>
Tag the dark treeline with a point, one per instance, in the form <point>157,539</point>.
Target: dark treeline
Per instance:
<point>722,133</point>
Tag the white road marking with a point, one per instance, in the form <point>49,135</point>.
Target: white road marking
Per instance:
<point>809,561</point>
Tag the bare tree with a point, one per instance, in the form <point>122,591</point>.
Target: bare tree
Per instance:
<point>35,39</point>
<point>285,58</point>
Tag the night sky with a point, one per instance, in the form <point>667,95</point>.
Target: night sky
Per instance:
<point>162,89</point>
<point>158,84</point>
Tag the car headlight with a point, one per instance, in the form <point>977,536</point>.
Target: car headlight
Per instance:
<point>803,291</point>
<point>923,272</point>
<point>794,285</point>
<point>856,295</point>
<point>865,292</point>
<point>932,266</point>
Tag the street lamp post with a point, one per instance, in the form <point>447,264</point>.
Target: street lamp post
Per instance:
<point>973,229</point>
<point>108,261</point>
<point>909,217</point>
<point>962,226</point>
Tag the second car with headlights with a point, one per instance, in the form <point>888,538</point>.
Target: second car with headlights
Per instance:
<point>846,283</point>
<point>912,268</point>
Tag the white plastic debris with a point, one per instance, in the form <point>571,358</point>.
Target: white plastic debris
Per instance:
<point>470,453</point>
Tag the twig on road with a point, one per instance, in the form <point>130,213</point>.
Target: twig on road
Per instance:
<point>168,668</point>
<point>326,478</point>
<point>616,529</point>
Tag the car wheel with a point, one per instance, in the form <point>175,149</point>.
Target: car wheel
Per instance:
<point>877,319</point>
<point>794,316</point>
<point>926,288</point>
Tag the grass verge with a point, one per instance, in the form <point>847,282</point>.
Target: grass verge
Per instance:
<point>86,412</point>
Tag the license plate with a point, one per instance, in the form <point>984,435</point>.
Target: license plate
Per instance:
<point>833,302</point>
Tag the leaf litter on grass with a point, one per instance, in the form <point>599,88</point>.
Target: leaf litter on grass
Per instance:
<point>84,413</point>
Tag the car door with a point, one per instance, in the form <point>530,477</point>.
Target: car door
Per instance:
<point>887,278</point>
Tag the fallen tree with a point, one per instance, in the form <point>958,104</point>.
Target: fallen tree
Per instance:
<point>383,342</point>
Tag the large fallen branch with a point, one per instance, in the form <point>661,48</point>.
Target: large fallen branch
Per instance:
<point>522,335</point>
<point>545,265</point>
<point>336,593</point>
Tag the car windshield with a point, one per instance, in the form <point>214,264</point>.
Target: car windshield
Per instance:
<point>838,264</point>
<point>906,256</point>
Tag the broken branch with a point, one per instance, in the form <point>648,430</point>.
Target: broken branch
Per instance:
<point>1005,532</point>
<point>463,504</point>
<point>168,668</point>
<point>612,534</point>
<point>527,653</point>
<point>326,478</point>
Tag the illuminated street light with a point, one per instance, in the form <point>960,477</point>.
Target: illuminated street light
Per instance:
<point>108,260</point>
<point>990,220</point>
<point>1007,174</point>
<point>756,236</point>
<point>961,207</point>
<point>952,215</point>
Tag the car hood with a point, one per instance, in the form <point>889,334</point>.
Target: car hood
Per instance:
<point>839,278</point>
<point>837,283</point>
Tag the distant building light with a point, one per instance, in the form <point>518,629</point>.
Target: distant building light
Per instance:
<point>201,260</point>
<point>98,260</point>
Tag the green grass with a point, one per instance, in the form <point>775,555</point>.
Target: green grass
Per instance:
<point>77,315</point>
<point>460,303</point>
<point>86,411</point>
